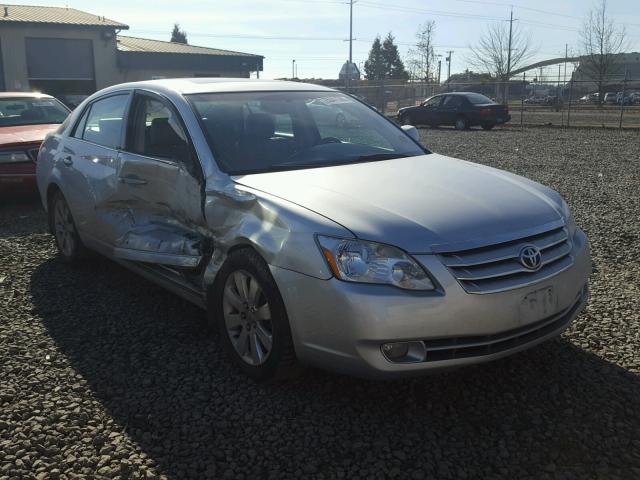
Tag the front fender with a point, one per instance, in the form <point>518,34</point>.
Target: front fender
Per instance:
<point>280,231</point>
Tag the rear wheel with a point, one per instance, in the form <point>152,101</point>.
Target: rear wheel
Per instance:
<point>251,318</point>
<point>488,126</point>
<point>461,123</point>
<point>70,247</point>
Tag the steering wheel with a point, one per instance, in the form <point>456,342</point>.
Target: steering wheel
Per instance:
<point>329,140</point>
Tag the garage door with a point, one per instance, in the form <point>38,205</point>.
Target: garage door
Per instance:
<point>61,67</point>
<point>59,59</point>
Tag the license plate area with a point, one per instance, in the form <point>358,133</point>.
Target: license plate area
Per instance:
<point>539,304</point>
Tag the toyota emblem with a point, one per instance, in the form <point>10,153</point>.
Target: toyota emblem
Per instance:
<point>530,257</point>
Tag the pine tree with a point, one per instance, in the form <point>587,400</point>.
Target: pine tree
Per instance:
<point>374,67</point>
<point>394,68</point>
<point>177,35</point>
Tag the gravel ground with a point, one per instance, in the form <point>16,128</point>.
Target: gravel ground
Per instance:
<point>104,375</point>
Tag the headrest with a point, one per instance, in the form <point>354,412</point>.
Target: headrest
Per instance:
<point>31,114</point>
<point>261,126</point>
<point>162,133</point>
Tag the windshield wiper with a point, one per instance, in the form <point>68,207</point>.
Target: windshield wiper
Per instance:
<point>381,156</point>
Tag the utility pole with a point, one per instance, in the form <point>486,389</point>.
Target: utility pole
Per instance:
<point>448,59</point>
<point>506,86</point>
<point>350,45</point>
<point>564,76</point>
<point>624,89</point>
<point>293,69</point>
<point>439,68</point>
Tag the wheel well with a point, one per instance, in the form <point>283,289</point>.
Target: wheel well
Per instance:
<point>233,249</point>
<point>51,191</point>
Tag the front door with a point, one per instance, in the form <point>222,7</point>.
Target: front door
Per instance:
<point>429,111</point>
<point>159,188</point>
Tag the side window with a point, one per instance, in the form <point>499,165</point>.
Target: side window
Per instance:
<point>104,121</point>
<point>157,132</point>
<point>432,102</point>
<point>452,101</point>
<point>79,128</point>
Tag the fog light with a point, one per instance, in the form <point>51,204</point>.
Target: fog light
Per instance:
<point>395,351</point>
<point>404,352</point>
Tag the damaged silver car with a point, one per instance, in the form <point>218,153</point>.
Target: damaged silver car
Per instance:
<point>344,245</point>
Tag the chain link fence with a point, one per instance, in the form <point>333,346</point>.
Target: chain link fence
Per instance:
<point>542,102</point>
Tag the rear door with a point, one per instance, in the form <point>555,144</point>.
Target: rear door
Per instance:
<point>89,161</point>
<point>160,188</point>
<point>450,108</point>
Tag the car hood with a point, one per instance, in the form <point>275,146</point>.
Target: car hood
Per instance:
<point>25,134</point>
<point>423,204</point>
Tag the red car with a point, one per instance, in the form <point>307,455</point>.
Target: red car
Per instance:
<point>25,119</point>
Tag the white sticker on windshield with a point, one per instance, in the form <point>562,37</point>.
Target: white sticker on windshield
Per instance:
<point>332,100</point>
<point>43,103</point>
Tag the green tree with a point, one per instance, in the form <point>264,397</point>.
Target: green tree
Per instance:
<point>394,68</point>
<point>374,68</point>
<point>177,35</point>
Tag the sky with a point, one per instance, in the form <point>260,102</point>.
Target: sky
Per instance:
<point>315,32</point>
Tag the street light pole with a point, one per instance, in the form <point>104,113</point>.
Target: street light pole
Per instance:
<point>293,69</point>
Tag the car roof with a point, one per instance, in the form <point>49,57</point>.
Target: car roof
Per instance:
<point>24,95</point>
<point>186,86</point>
<point>460,93</point>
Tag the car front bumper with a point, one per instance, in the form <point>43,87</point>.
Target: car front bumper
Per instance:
<point>342,326</point>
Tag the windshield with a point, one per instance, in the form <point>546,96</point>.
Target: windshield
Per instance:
<point>270,131</point>
<point>31,111</point>
<point>478,99</point>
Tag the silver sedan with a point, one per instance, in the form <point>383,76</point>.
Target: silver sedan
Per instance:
<point>348,246</point>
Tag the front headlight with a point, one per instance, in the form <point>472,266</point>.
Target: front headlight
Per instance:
<point>368,262</point>
<point>14,157</point>
<point>568,219</point>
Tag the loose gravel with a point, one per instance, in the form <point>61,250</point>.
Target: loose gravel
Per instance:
<point>104,375</point>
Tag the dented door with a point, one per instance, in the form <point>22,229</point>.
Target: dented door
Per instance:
<point>157,207</point>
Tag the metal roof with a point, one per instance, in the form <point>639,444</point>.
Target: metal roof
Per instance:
<point>54,15</point>
<point>135,44</point>
<point>218,85</point>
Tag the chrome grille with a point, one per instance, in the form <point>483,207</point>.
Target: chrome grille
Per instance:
<point>497,267</point>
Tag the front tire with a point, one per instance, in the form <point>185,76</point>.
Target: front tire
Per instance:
<point>250,315</point>
<point>63,227</point>
<point>406,120</point>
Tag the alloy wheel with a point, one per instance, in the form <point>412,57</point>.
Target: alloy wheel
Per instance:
<point>247,317</point>
<point>63,227</point>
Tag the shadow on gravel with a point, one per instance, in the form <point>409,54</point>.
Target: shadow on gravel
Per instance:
<point>556,409</point>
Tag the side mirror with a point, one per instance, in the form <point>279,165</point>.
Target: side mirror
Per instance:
<point>411,131</point>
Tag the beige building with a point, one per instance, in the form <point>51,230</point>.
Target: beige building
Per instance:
<point>67,53</point>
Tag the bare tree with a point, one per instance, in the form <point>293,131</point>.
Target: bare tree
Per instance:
<point>422,58</point>
<point>502,49</point>
<point>602,42</point>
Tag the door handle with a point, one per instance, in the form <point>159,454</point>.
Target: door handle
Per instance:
<point>132,180</point>
<point>68,161</point>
